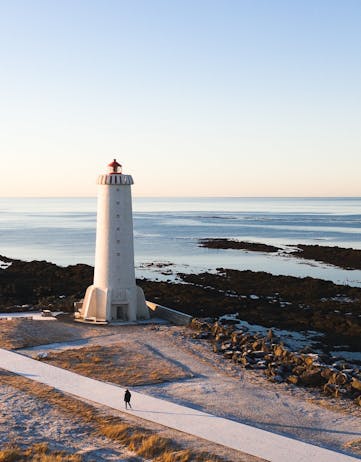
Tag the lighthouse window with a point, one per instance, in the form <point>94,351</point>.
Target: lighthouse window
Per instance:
<point>118,254</point>
<point>118,202</point>
<point>117,189</point>
<point>118,215</point>
<point>118,241</point>
<point>118,229</point>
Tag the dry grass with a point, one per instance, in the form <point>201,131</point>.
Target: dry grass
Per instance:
<point>355,445</point>
<point>36,453</point>
<point>24,333</point>
<point>135,438</point>
<point>119,363</point>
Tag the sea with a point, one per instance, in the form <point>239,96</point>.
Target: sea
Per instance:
<point>167,232</point>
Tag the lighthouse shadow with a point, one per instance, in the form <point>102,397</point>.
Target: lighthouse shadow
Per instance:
<point>175,362</point>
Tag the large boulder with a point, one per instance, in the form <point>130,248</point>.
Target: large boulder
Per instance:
<point>356,384</point>
<point>293,379</point>
<point>312,378</point>
<point>331,389</point>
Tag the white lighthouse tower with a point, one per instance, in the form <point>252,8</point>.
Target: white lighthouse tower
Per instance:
<point>114,295</point>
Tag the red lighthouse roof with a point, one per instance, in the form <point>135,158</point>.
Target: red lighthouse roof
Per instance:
<point>115,166</point>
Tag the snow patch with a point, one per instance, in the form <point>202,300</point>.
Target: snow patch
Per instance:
<point>5,264</point>
<point>35,315</point>
<point>292,339</point>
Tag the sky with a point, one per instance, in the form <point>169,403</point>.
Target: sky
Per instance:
<point>193,97</point>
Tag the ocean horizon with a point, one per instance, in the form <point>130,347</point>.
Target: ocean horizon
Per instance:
<point>167,229</point>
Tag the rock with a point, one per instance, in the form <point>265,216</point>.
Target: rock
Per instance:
<point>309,360</point>
<point>276,379</point>
<point>198,324</point>
<point>258,354</point>
<point>356,384</point>
<point>358,400</point>
<point>261,365</point>
<point>216,346</point>
<point>340,365</point>
<point>236,337</point>
<point>293,379</point>
<point>279,364</point>
<point>279,351</point>
<point>312,378</point>
<point>245,339</point>
<point>228,354</point>
<point>270,334</point>
<point>216,328</point>
<point>237,355</point>
<point>245,361</point>
<point>282,369</point>
<point>220,336</point>
<point>338,378</point>
<point>297,359</point>
<point>257,345</point>
<point>298,370</point>
<point>226,346</point>
<point>331,389</point>
<point>327,373</point>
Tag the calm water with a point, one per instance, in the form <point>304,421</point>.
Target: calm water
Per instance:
<point>62,230</point>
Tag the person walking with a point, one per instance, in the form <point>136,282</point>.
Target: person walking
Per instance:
<point>127,396</point>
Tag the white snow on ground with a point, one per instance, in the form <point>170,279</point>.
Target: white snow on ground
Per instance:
<point>219,387</point>
<point>235,435</point>
<point>35,315</point>
<point>25,420</point>
<point>5,265</point>
<point>293,339</point>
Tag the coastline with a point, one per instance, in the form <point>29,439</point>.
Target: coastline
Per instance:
<point>260,300</point>
<point>283,302</point>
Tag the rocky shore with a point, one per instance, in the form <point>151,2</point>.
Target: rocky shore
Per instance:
<point>240,245</point>
<point>39,284</point>
<point>280,364</point>
<point>283,302</point>
<point>337,256</point>
<point>248,316</point>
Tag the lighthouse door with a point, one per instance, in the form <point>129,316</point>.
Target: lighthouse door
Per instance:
<point>120,312</point>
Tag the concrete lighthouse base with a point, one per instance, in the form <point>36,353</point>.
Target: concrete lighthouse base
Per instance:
<point>107,305</point>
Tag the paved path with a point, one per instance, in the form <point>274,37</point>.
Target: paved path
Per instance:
<point>244,438</point>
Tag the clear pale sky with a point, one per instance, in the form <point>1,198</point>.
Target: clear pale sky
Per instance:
<point>211,98</point>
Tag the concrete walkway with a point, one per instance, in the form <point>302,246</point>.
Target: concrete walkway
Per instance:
<point>244,438</point>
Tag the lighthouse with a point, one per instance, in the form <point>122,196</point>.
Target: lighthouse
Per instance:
<point>114,295</point>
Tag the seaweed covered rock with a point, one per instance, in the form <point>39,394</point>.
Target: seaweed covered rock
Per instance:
<point>40,283</point>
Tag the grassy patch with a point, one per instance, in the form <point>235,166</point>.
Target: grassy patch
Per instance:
<point>39,452</point>
<point>24,333</point>
<point>354,445</point>
<point>119,363</point>
<point>137,439</point>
